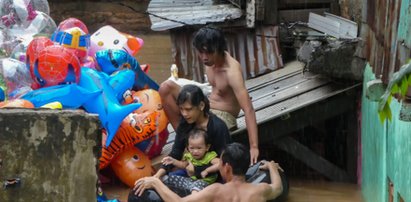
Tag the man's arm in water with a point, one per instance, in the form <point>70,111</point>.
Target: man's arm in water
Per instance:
<point>274,189</point>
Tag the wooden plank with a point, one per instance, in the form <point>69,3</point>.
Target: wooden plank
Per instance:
<point>348,28</point>
<point>324,24</point>
<point>311,159</point>
<point>288,70</point>
<point>279,92</point>
<point>295,15</point>
<point>283,108</point>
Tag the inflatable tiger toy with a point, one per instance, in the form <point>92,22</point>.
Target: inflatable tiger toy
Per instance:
<point>134,129</point>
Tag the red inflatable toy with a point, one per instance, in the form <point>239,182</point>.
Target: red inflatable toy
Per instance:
<point>56,65</point>
<point>34,48</point>
<point>131,165</point>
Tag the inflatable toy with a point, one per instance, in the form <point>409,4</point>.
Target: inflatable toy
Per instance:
<point>14,78</point>
<point>7,43</point>
<point>56,65</point>
<point>121,81</point>
<point>151,101</point>
<point>134,128</point>
<point>71,96</point>
<point>109,38</point>
<point>53,105</point>
<point>75,39</point>
<point>254,176</point>
<point>131,165</point>
<point>2,94</point>
<point>153,146</point>
<point>112,60</point>
<point>34,48</point>
<point>26,18</point>
<point>111,112</point>
<point>16,103</point>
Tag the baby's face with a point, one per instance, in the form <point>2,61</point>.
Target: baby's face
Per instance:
<point>197,147</point>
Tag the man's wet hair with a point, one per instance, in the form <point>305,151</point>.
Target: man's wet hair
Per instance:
<point>194,95</point>
<point>238,156</point>
<point>210,40</point>
<point>199,132</point>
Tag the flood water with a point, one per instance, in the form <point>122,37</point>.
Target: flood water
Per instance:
<point>157,52</point>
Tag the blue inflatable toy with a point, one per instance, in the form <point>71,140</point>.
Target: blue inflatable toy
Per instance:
<point>121,81</point>
<point>111,60</point>
<point>70,96</point>
<point>111,112</point>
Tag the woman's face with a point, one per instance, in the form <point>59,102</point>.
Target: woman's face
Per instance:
<point>191,113</point>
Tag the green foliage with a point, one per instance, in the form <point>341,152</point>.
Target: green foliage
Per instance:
<point>398,85</point>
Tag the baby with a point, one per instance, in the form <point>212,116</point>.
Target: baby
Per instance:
<point>200,164</point>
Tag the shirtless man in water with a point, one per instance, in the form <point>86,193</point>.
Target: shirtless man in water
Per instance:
<point>232,168</point>
<point>228,95</point>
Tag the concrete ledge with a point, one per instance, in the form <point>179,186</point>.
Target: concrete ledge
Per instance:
<point>52,152</point>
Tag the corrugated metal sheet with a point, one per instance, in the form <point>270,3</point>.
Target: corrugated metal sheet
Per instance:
<point>257,50</point>
<point>382,18</point>
<point>169,14</point>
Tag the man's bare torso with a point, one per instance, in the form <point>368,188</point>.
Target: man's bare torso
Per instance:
<point>239,192</point>
<point>222,96</point>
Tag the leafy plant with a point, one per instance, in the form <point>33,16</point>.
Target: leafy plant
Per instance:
<point>397,86</point>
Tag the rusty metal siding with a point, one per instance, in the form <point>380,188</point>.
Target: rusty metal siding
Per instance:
<point>382,18</point>
<point>169,14</point>
<point>257,50</point>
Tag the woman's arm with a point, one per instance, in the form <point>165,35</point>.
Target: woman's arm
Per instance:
<point>219,135</point>
<point>171,161</point>
<point>160,173</point>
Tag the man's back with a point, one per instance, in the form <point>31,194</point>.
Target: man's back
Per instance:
<point>231,192</point>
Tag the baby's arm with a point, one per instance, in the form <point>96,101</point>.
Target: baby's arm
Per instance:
<point>179,164</point>
<point>213,168</point>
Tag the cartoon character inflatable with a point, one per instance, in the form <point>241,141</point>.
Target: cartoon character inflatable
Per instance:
<point>151,101</point>
<point>121,81</point>
<point>34,48</point>
<point>111,112</point>
<point>112,60</point>
<point>56,65</point>
<point>26,18</point>
<point>73,34</point>
<point>14,78</point>
<point>134,128</point>
<point>131,165</point>
<point>109,38</point>
<point>153,146</point>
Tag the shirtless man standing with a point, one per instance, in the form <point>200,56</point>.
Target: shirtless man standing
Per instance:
<point>228,95</point>
<point>232,168</point>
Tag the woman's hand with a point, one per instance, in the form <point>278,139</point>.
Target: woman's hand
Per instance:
<point>168,160</point>
<point>144,183</point>
<point>190,169</point>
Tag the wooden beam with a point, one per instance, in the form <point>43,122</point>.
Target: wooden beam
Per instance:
<point>311,159</point>
<point>250,16</point>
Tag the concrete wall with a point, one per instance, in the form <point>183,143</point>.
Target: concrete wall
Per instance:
<point>53,152</point>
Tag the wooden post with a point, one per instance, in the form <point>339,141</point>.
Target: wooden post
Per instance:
<point>250,16</point>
